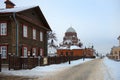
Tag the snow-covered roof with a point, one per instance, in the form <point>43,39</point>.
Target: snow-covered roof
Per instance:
<point>63,47</point>
<point>74,47</point>
<point>70,30</point>
<point>71,47</point>
<point>15,9</point>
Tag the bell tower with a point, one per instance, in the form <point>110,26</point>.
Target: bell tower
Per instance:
<point>119,40</point>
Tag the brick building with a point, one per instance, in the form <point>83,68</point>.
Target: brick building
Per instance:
<point>76,51</point>
<point>71,45</point>
<point>22,30</point>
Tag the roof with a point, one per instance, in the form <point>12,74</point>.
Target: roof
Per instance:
<point>15,9</point>
<point>71,47</point>
<point>20,9</point>
<point>70,30</point>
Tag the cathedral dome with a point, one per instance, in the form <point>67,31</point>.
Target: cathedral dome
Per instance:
<point>70,30</point>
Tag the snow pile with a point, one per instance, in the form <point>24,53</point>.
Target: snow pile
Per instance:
<point>113,67</point>
<point>44,70</point>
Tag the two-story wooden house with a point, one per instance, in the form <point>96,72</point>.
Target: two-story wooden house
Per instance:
<point>23,30</point>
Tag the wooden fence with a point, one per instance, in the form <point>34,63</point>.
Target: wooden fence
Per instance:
<point>17,63</point>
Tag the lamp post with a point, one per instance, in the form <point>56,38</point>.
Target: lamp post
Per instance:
<point>28,60</point>
<point>33,59</point>
<point>9,54</point>
<point>84,54</point>
<point>0,62</point>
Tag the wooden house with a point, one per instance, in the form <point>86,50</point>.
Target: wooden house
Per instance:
<point>23,31</point>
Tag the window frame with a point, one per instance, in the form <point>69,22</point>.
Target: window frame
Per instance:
<point>6,30</point>
<point>33,51</point>
<point>23,54</point>
<point>6,51</point>
<point>34,36</point>
<point>25,35</point>
<point>41,36</point>
<point>41,52</point>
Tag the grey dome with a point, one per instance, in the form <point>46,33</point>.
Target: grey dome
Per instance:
<point>70,30</point>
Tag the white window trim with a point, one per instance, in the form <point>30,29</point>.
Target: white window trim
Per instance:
<point>34,34</point>
<point>41,52</point>
<point>41,36</point>
<point>4,56</point>
<point>25,31</point>
<point>3,29</point>
<point>25,52</point>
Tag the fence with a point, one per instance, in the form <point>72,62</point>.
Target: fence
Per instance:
<point>17,63</point>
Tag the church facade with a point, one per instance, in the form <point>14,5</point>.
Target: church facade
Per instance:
<point>71,38</point>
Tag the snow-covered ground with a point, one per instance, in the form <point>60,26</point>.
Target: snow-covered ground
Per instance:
<point>110,68</point>
<point>40,71</point>
<point>113,68</point>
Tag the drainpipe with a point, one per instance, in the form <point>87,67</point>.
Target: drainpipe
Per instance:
<point>16,22</point>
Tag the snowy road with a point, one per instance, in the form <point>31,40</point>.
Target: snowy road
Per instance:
<point>92,70</point>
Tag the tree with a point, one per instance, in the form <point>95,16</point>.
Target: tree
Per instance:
<point>51,39</point>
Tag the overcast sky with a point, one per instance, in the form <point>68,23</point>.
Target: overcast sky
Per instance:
<point>97,22</point>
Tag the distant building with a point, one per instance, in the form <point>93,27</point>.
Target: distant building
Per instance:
<point>115,51</point>
<point>70,38</point>
<point>52,49</point>
<point>76,51</point>
<point>22,30</point>
<point>71,46</point>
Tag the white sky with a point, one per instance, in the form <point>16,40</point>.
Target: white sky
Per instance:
<point>96,22</point>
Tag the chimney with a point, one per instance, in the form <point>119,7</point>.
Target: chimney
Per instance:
<point>9,4</point>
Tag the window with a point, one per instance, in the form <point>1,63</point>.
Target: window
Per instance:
<point>41,52</point>
<point>25,51</point>
<point>34,51</point>
<point>3,29</point>
<point>34,33</point>
<point>3,51</point>
<point>41,36</point>
<point>25,31</point>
